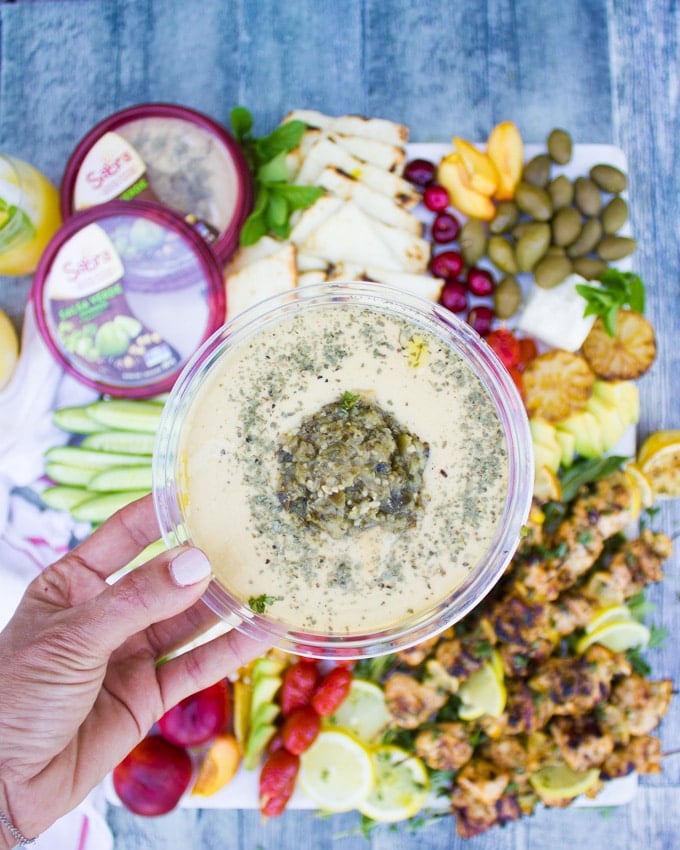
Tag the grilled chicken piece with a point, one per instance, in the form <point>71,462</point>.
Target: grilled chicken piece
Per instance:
<point>478,801</point>
<point>577,685</point>
<point>570,612</point>
<point>642,754</point>
<point>413,656</point>
<point>581,741</point>
<point>509,753</point>
<point>445,746</point>
<point>635,707</point>
<point>458,657</point>
<point>411,703</point>
<point>526,710</point>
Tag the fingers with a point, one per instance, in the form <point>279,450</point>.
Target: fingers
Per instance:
<point>159,590</point>
<point>204,665</point>
<point>120,539</point>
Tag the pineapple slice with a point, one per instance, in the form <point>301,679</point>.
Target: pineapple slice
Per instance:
<point>557,384</point>
<point>623,357</point>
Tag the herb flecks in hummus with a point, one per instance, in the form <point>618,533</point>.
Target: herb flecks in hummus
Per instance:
<point>352,466</point>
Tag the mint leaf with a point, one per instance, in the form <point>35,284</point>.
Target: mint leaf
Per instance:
<point>277,210</point>
<point>585,471</point>
<point>274,171</point>
<point>241,121</point>
<point>299,197</point>
<point>619,289</point>
<point>283,139</point>
<point>254,228</point>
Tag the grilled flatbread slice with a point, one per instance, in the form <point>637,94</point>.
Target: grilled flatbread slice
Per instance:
<point>328,153</point>
<point>374,203</point>
<point>379,129</point>
<point>267,275</point>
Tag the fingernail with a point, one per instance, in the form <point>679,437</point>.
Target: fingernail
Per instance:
<point>190,567</point>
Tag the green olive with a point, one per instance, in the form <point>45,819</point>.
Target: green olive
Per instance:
<point>560,146</point>
<point>506,217</point>
<point>614,215</point>
<point>589,267</point>
<point>566,226</point>
<point>556,251</point>
<point>534,201</point>
<point>472,241</point>
<point>590,235</point>
<point>502,254</point>
<point>587,196</point>
<point>537,170</point>
<point>609,178</point>
<point>616,247</point>
<point>507,297</point>
<point>520,228</point>
<point>550,271</point>
<point>561,191</point>
<point>532,245</point>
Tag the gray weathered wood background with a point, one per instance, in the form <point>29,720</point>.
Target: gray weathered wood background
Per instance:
<point>607,70</point>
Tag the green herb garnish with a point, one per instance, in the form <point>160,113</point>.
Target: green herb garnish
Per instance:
<point>348,402</point>
<point>585,471</point>
<point>618,290</point>
<point>275,198</point>
<point>259,603</point>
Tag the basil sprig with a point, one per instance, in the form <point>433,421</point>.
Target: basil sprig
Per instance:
<point>618,289</point>
<point>275,198</point>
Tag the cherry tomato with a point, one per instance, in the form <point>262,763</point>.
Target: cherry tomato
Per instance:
<point>527,351</point>
<point>516,376</point>
<point>332,691</point>
<point>300,729</point>
<point>298,685</point>
<point>277,782</point>
<point>506,345</point>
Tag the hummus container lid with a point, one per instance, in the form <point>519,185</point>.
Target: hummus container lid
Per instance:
<point>166,153</point>
<point>124,294</point>
<point>244,334</point>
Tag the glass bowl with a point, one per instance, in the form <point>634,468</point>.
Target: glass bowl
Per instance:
<point>366,592</point>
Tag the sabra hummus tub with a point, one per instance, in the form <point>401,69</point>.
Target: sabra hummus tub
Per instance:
<point>169,154</point>
<point>125,294</point>
<point>355,462</point>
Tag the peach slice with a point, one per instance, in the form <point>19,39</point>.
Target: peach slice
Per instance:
<point>506,150</point>
<point>482,172</point>
<point>453,176</point>
<point>218,767</point>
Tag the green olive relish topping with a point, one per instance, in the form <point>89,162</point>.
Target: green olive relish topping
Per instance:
<point>352,466</point>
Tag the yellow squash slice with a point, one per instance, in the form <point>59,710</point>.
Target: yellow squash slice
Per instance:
<point>623,357</point>
<point>557,384</point>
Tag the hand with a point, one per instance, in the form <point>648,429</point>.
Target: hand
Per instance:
<point>80,680</point>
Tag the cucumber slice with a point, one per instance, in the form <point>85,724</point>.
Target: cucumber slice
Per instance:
<point>90,459</point>
<point>126,442</point>
<point>76,420</point>
<point>63,498</point>
<point>73,476</point>
<point>99,508</point>
<point>119,478</point>
<point>126,414</point>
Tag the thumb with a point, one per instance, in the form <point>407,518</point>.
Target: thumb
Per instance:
<point>153,592</point>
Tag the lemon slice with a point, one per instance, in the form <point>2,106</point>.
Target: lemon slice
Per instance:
<point>9,349</point>
<point>484,692</point>
<point>607,615</point>
<point>547,487</point>
<point>363,712</point>
<point>337,771</point>
<point>659,461</point>
<point>643,484</point>
<point>560,782</point>
<point>401,786</point>
<point>617,635</point>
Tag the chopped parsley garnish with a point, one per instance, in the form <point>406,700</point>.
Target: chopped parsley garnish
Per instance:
<point>259,603</point>
<point>348,402</point>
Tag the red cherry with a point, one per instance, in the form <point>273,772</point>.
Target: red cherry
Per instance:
<point>480,282</point>
<point>445,227</point>
<point>454,296</point>
<point>446,264</point>
<point>420,172</point>
<point>480,319</point>
<point>436,198</point>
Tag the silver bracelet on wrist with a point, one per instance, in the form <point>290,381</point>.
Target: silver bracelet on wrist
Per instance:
<point>16,834</point>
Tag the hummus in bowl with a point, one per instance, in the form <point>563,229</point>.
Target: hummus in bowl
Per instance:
<point>354,461</point>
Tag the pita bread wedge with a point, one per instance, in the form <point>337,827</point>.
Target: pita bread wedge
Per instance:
<point>268,275</point>
<point>417,284</point>
<point>380,154</point>
<point>374,203</point>
<point>311,277</point>
<point>245,255</point>
<point>313,217</point>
